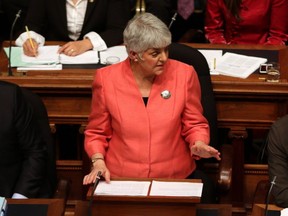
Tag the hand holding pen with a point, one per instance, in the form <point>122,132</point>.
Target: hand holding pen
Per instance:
<point>30,47</point>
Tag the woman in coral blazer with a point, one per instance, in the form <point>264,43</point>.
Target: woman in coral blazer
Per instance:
<point>146,118</point>
<point>247,22</point>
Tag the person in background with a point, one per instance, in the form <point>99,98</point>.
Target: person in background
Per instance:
<point>146,119</point>
<point>84,24</point>
<point>23,150</point>
<point>189,23</point>
<point>247,22</point>
<point>277,148</point>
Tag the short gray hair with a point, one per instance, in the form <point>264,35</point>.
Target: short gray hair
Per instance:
<point>146,31</point>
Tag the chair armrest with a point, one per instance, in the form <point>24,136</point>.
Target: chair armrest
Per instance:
<point>225,167</point>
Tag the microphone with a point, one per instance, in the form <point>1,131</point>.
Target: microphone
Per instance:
<point>268,195</point>
<point>92,193</point>
<point>10,42</point>
<point>173,19</point>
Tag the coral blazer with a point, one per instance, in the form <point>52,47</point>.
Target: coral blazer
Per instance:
<point>152,140</point>
<point>263,22</point>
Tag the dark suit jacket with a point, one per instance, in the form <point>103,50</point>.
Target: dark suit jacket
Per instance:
<point>278,160</point>
<point>23,153</point>
<point>108,18</point>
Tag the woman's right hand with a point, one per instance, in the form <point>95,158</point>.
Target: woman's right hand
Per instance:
<point>30,50</point>
<point>98,166</point>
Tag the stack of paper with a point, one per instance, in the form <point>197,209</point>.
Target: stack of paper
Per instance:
<point>236,65</point>
<point>48,58</point>
<point>123,188</point>
<point>231,64</point>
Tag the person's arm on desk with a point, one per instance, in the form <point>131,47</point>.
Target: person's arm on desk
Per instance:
<point>74,48</point>
<point>98,165</point>
<point>24,41</point>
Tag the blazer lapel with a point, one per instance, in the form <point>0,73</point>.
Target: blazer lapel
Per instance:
<point>60,9</point>
<point>91,4</point>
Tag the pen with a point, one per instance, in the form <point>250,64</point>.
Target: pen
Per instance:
<point>30,39</point>
<point>214,63</point>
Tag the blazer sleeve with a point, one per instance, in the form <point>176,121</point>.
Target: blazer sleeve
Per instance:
<point>278,31</point>
<point>98,130</point>
<point>32,148</point>
<point>195,125</point>
<point>214,23</point>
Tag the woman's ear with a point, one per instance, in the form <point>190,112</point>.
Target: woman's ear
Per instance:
<point>133,56</point>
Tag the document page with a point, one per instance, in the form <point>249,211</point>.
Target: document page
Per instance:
<point>212,57</point>
<point>123,188</point>
<point>237,65</point>
<point>88,57</point>
<point>162,188</point>
<point>113,55</point>
<point>46,55</point>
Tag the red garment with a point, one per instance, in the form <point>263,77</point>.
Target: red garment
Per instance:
<point>146,141</point>
<point>262,22</point>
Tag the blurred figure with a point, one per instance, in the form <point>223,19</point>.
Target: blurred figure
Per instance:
<point>189,24</point>
<point>87,24</point>
<point>278,160</point>
<point>23,161</point>
<point>247,22</point>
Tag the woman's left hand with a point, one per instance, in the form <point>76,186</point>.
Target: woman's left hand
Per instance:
<point>202,150</point>
<point>74,48</point>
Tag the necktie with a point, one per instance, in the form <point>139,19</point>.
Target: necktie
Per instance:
<point>185,8</point>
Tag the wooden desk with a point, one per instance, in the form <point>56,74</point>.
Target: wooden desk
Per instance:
<point>142,205</point>
<point>50,207</point>
<point>241,104</point>
<point>259,210</point>
<point>201,210</point>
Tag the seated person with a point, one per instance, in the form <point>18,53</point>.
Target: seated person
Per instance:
<point>146,119</point>
<point>247,22</point>
<point>189,23</point>
<point>86,24</point>
<point>278,160</point>
<point>24,153</point>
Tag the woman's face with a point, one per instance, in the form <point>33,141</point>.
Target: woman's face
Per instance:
<point>153,60</point>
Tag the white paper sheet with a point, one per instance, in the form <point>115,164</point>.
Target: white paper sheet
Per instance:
<point>212,57</point>
<point>187,189</point>
<point>114,54</point>
<point>236,65</point>
<point>123,188</point>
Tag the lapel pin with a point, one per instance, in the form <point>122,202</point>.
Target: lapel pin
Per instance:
<point>165,94</point>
